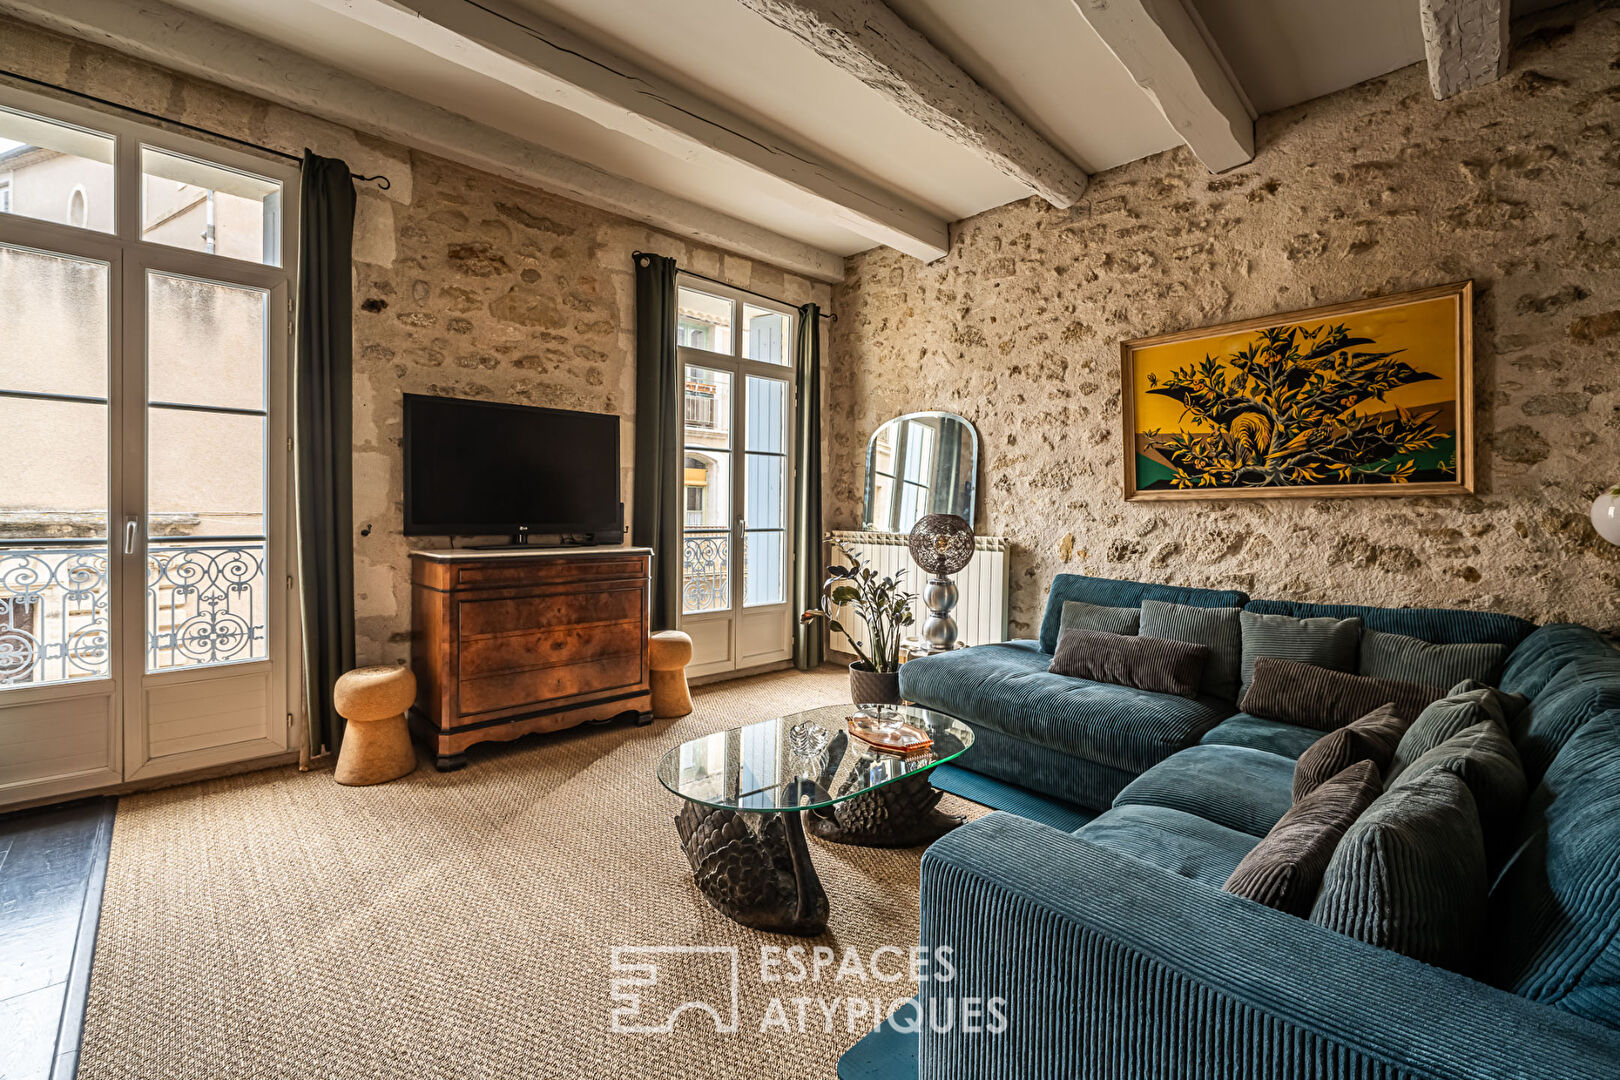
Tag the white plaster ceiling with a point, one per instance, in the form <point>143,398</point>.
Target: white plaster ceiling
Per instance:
<point>1040,57</point>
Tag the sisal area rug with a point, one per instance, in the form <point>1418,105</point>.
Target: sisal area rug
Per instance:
<point>277,925</point>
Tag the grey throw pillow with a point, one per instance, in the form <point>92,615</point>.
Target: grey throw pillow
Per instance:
<point>1484,758</point>
<point>1218,628</point>
<point>1164,667</point>
<point>1079,615</point>
<point>1328,643</point>
<point>1397,656</point>
<point>1468,703</point>
<point>1409,875</point>
<point>1285,869</point>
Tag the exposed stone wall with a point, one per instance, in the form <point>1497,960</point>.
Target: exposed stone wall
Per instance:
<point>465,284</point>
<point>1373,190</point>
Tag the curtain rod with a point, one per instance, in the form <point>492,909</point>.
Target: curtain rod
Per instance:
<point>705,277</point>
<point>380,180</point>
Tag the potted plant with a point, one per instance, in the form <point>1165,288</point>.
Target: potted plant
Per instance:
<point>874,678</point>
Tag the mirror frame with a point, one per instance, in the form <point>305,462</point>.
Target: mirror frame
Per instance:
<point>866,495</point>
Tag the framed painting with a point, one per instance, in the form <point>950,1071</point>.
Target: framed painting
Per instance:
<point>1373,397</point>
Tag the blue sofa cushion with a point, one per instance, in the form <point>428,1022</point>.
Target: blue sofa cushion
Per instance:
<point>1443,625</point>
<point>1112,593</point>
<point>1243,789</point>
<point>1544,653</point>
<point>1007,688</point>
<point>1289,740</point>
<point>1578,692</point>
<point>1179,843</point>
<point>1555,910</point>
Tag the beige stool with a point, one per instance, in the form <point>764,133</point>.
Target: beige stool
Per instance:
<point>668,652</point>
<point>376,743</point>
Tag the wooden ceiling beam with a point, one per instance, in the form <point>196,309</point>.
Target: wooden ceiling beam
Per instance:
<point>186,42</point>
<point>1466,42</point>
<point>1166,49</point>
<point>869,41</point>
<point>512,44</point>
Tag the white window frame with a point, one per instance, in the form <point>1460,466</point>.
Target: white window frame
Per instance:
<point>129,756</point>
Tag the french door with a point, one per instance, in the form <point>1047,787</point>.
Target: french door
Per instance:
<point>736,353</point>
<point>144,332</point>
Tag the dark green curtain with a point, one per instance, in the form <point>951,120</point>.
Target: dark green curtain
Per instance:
<point>809,644</point>
<point>655,515</point>
<point>322,387</point>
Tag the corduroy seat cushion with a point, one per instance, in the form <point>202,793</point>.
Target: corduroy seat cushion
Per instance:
<point>1243,789</point>
<point>1442,625</point>
<point>1289,740</point>
<point>1176,842</point>
<point>1007,688</point>
<point>1112,593</point>
<point>1555,910</point>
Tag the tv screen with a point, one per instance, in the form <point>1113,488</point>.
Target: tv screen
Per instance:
<point>480,468</point>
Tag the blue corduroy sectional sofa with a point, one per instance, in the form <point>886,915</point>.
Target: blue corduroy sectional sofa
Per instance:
<point>1118,955</point>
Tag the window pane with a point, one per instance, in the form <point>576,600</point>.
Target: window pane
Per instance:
<point>766,335</point>
<point>708,406</point>
<point>191,204</point>
<point>703,321</point>
<point>206,343</point>
<point>763,486</point>
<point>53,323</point>
<point>764,581</point>
<point>205,473</point>
<point>767,415</point>
<point>55,172</point>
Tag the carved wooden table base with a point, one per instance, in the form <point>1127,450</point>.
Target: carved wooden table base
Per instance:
<point>902,813</point>
<point>755,869</point>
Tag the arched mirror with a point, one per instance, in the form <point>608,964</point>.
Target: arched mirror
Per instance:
<point>919,464</point>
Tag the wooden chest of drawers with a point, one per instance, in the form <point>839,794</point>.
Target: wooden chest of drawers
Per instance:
<point>507,642</point>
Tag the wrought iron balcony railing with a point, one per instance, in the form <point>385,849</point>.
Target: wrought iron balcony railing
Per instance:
<point>705,568</point>
<point>205,603</point>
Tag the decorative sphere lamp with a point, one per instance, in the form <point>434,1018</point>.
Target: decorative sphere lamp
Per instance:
<point>1606,515</point>
<point>941,544</point>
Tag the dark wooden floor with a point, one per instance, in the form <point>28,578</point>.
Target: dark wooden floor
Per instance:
<point>53,863</point>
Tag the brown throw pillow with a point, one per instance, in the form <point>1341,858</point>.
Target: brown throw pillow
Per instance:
<point>1285,869</point>
<point>1315,697</point>
<point>1157,664</point>
<point>1372,738</point>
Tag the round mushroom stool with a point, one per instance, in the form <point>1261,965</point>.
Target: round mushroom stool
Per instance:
<point>668,652</point>
<point>376,743</point>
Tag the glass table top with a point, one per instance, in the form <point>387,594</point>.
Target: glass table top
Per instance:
<point>775,765</point>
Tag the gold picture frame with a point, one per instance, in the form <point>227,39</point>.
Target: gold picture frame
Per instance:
<point>1371,397</point>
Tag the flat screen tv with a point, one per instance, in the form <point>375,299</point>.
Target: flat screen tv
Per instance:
<point>482,468</point>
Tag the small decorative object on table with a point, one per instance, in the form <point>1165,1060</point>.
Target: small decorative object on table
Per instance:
<point>874,679</point>
<point>942,544</point>
<point>890,734</point>
<point>1606,515</point>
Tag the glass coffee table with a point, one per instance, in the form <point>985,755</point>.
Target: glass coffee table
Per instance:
<point>751,793</point>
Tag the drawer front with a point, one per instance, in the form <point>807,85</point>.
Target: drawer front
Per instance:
<point>541,687</point>
<point>522,614</point>
<point>524,650</point>
<point>549,572</point>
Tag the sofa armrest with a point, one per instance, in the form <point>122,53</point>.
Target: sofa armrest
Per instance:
<point>1109,967</point>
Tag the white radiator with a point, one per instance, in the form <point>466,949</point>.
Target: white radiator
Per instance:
<point>981,610</point>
